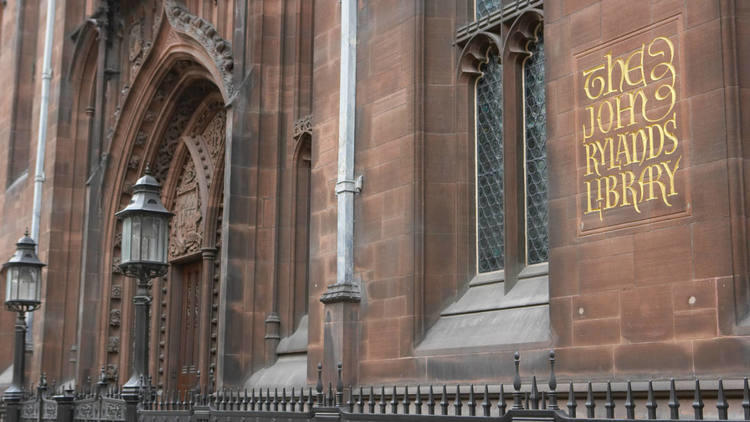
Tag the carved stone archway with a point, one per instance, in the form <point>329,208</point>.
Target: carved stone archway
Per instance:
<point>171,115</point>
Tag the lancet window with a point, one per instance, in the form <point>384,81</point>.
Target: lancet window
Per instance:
<point>511,175</point>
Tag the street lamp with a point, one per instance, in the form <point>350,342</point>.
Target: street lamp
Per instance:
<point>23,273</point>
<point>145,230</point>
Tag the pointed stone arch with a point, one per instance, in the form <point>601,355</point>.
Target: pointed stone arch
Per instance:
<point>179,87</point>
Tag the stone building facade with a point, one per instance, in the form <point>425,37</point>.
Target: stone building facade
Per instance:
<point>564,174</point>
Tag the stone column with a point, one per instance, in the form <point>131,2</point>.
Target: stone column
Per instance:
<point>209,257</point>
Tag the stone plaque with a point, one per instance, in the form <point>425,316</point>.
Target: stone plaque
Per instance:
<point>631,152</point>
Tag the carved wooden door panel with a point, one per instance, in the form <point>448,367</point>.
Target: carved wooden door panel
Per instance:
<point>187,369</point>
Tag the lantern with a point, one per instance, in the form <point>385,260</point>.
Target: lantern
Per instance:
<point>145,231</point>
<point>23,274</point>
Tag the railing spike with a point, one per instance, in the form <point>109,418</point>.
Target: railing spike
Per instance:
<point>517,397</point>
<point>405,403</point>
<point>674,404</point>
<point>534,396</point>
<point>471,404</point>
<point>572,404</point>
<point>339,385</point>
<point>629,403</point>
<point>418,401</point>
<point>444,402</point>
<point>651,404</point>
<point>486,405</point>
<point>381,403</point>
<point>590,402</point>
<point>310,400</point>
<point>457,405</point>
<point>394,401</point>
<point>283,399</point>
<point>252,398</point>
<point>349,402</point>
<point>319,384</point>
<point>331,397</point>
<point>552,382</point>
<point>371,400</point>
<point>360,401</point>
<point>526,400</point>
<point>609,404</point>
<point>430,402</point>
<point>501,405</point>
<point>269,400</point>
<point>746,399</point>
<point>721,402</point>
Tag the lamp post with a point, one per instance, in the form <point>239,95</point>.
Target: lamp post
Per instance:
<point>23,273</point>
<point>145,228</point>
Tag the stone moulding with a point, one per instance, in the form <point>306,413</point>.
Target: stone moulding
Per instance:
<point>207,36</point>
<point>302,126</point>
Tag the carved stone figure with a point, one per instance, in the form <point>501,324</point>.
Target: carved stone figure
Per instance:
<point>113,344</point>
<point>186,234</point>
<point>114,318</point>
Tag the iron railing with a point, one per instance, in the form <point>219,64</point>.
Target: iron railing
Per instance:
<point>521,401</point>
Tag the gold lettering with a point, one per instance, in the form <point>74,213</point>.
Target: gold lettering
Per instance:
<point>589,208</point>
<point>609,119</point>
<point>591,124</point>
<point>626,69</point>
<point>628,177</point>
<point>610,183</point>
<point>622,149</point>
<point>629,109</point>
<point>671,174</point>
<point>652,142</point>
<point>667,64</point>
<point>671,135</point>
<point>588,82</point>
<point>591,158</point>
<point>629,127</point>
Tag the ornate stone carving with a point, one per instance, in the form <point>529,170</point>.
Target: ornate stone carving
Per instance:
<point>114,318</point>
<point>302,126</point>
<point>116,292</point>
<point>113,344</point>
<point>135,42</point>
<point>140,138</point>
<point>186,235</point>
<point>207,36</point>
<point>134,162</point>
<point>214,134</point>
<point>111,372</point>
<point>186,105</point>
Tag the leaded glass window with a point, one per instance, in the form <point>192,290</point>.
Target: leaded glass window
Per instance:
<point>537,210</point>
<point>483,8</point>
<point>489,167</point>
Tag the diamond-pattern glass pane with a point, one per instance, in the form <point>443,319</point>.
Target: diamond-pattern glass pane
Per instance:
<point>485,7</point>
<point>537,211</point>
<point>489,167</point>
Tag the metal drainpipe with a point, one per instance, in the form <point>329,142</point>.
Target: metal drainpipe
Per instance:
<point>346,185</point>
<point>41,144</point>
<point>43,112</point>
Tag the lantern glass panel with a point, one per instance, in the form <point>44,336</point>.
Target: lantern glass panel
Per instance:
<point>22,284</point>
<point>11,284</point>
<point>28,283</point>
<point>125,249</point>
<point>163,236</point>
<point>135,238</point>
<point>149,246</point>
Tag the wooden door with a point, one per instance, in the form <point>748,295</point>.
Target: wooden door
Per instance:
<point>187,369</point>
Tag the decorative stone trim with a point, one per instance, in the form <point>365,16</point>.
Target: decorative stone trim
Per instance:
<point>302,127</point>
<point>205,33</point>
